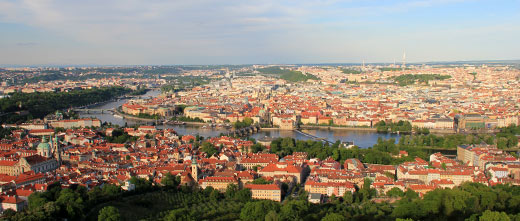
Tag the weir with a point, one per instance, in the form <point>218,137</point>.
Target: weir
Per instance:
<point>313,137</point>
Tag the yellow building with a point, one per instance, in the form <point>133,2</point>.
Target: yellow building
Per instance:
<point>265,191</point>
<point>218,183</point>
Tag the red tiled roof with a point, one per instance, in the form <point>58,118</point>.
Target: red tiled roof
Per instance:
<point>262,186</point>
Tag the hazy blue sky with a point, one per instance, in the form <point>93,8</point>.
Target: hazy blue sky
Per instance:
<point>256,31</point>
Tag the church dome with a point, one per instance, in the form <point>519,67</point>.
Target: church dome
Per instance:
<point>44,144</point>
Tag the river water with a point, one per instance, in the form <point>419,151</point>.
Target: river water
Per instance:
<point>362,139</point>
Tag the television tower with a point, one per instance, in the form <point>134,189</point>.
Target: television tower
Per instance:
<point>404,60</point>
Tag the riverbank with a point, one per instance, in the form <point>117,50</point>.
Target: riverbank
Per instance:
<point>441,131</point>
<point>191,123</point>
<point>133,117</point>
<point>368,129</point>
<point>339,128</point>
<point>270,128</point>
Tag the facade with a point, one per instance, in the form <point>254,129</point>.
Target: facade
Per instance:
<point>265,191</point>
<point>67,124</point>
<point>283,169</point>
<point>218,183</point>
<point>329,188</point>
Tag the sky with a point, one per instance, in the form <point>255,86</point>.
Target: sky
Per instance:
<point>168,32</point>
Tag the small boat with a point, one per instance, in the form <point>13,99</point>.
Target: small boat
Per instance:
<point>117,116</point>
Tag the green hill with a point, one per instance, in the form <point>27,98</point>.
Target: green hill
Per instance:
<point>288,75</point>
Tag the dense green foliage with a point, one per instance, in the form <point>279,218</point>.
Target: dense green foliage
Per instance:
<point>40,104</point>
<point>139,91</point>
<point>506,138</point>
<point>245,123</point>
<point>503,140</point>
<point>5,132</point>
<point>72,203</point>
<point>466,201</point>
<point>408,79</point>
<point>208,148</point>
<point>170,181</point>
<point>470,201</point>
<point>401,126</point>
<point>257,147</point>
<point>288,75</point>
<point>187,119</point>
<point>381,153</point>
<point>147,116</point>
<point>261,181</point>
<point>119,136</point>
<point>109,213</point>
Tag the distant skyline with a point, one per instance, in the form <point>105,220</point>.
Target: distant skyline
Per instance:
<point>161,32</point>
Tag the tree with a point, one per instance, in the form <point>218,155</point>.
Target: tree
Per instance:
<point>141,184</point>
<point>169,181</point>
<point>411,195</point>
<point>348,197</point>
<point>294,210</point>
<point>231,190</point>
<point>209,149</point>
<point>214,196</point>
<point>271,216</point>
<point>333,217</point>
<point>257,148</point>
<point>243,195</point>
<point>71,202</point>
<point>494,216</point>
<point>181,214</point>
<point>256,210</point>
<point>36,200</point>
<point>395,192</point>
<point>111,190</point>
<point>8,213</point>
<point>109,213</point>
<point>261,180</point>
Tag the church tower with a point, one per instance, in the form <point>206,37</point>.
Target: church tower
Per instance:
<point>56,149</point>
<point>194,170</point>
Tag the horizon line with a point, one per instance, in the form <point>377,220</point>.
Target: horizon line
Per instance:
<point>248,64</point>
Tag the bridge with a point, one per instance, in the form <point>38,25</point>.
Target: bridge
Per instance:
<point>242,132</point>
<point>94,110</point>
<point>314,137</point>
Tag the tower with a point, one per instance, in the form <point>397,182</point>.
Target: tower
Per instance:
<point>56,149</point>
<point>194,169</point>
<point>404,60</point>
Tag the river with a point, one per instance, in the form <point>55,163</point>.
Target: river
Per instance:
<point>362,139</point>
